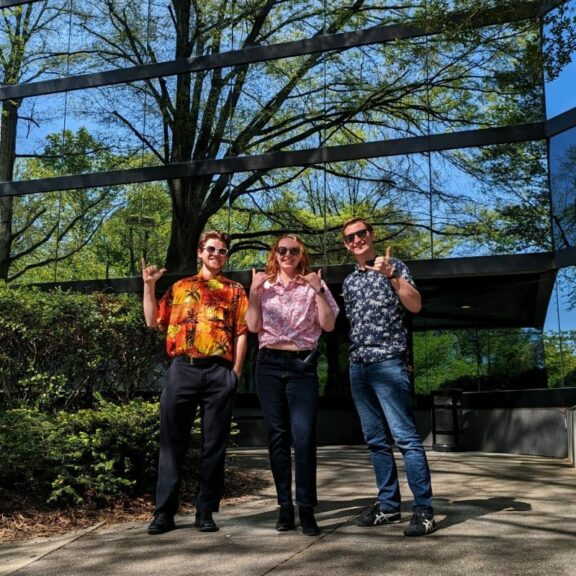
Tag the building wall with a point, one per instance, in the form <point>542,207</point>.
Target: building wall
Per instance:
<point>539,431</point>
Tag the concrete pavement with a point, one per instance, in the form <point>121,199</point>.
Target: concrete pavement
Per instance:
<point>497,514</point>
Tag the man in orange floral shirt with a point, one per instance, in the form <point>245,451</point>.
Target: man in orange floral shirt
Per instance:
<point>206,336</point>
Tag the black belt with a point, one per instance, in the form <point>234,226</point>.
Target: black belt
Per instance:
<point>205,362</point>
<point>293,354</point>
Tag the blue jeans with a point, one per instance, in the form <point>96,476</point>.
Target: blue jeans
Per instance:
<point>288,393</point>
<point>381,392</point>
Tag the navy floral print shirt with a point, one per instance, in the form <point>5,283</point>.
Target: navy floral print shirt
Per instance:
<point>377,327</point>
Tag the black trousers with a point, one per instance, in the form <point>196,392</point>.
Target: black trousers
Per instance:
<point>288,391</point>
<point>187,387</point>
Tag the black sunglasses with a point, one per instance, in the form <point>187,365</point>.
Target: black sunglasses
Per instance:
<point>282,250</point>
<point>213,250</point>
<point>360,233</point>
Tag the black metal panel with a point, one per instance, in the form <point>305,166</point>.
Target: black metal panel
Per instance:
<point>566,257</point>
<point>561,123</point>
<point>465,139</point>
<point>10,3</point>
<point>477,292</point>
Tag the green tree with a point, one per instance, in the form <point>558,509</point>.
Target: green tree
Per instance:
<point>479,360</point>
<point>25,32</point>
<point>560,350</point>
<point>53,228</point>
<point>463,78</point>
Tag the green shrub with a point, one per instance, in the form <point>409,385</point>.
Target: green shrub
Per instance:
<point>25,461</point>
<point>59,348</point>
<point>105,454</point>
<point>61,442</point>
<point>90,456</point>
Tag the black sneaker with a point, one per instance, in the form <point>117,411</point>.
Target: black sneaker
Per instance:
<point>205,522</point>
<point>420,525</point>
<point>375,517</point>
<point>286,518</point>
<point>162,523</point>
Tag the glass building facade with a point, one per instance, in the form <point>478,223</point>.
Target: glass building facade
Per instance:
<point>453,130</point>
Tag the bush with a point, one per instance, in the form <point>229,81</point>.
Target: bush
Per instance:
<point>59,348</point>
<point>104,454</point>
<point>26,465</point>
<point>73,430</point>
<point>90,456</point>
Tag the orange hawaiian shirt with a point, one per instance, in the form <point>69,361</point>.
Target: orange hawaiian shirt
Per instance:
<point>203,317</point>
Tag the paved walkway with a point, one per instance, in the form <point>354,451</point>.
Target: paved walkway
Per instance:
<point>497,514</point>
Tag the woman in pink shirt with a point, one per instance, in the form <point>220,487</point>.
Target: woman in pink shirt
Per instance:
<point>289,306</point>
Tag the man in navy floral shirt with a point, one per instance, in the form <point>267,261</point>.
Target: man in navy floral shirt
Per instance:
<point>376,296</point>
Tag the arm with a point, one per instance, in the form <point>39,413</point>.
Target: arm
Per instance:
<point>408,295</point>
<point>150,275</point>
<point>240,347</point>
<point>254,312</point>
<point>326,314</point>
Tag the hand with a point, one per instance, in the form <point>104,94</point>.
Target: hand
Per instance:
<point>383,264</point>
<point>151,274</point>
<point>258,278</point>
<point>314,279</point>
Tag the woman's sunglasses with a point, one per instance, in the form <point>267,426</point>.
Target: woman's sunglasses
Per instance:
<point>282,250</point>
<point>360,233</point>
<point>213,250</point>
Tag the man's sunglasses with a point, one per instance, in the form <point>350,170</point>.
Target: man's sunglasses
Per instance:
<point>213,250</point>
<point>360,233</point>
<point>282,250</point>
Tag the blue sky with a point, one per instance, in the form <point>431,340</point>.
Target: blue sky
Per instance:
<point>560,97</point>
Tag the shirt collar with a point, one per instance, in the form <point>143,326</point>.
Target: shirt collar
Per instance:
<point>201,276</point>
<point>360,270</point>
<point>297,280</point>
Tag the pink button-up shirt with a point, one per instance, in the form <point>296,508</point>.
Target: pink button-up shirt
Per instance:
<point>290,313</point>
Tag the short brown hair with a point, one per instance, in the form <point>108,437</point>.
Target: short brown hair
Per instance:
<point>208,234</point>
<point>350,221</point>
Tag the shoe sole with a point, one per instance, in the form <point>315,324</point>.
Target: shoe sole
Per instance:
<point>388,523</point>
<point>208,528</point>
<point>155,532</point>
<point>419,535</point>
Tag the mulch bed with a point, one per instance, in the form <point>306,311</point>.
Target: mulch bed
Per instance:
<point>23,518</point>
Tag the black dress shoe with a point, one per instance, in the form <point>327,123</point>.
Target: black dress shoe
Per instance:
<point>286,518</point>
<point>162,523</point>
<point>205,522</point>
<point>307,521</point>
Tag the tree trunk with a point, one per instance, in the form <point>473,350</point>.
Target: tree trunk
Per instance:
<point>8,123</point>
<point>188,221</point>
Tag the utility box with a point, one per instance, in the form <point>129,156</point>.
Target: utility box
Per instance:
<point>447,420</point>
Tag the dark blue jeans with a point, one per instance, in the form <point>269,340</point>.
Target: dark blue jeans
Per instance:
<point>288,392</point>
<point>187,388</point>
<point>381,392</point>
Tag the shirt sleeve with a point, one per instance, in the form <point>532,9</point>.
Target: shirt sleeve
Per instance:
<point>241,326</point>
<point>404,271</point>
<point>331,302</point>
